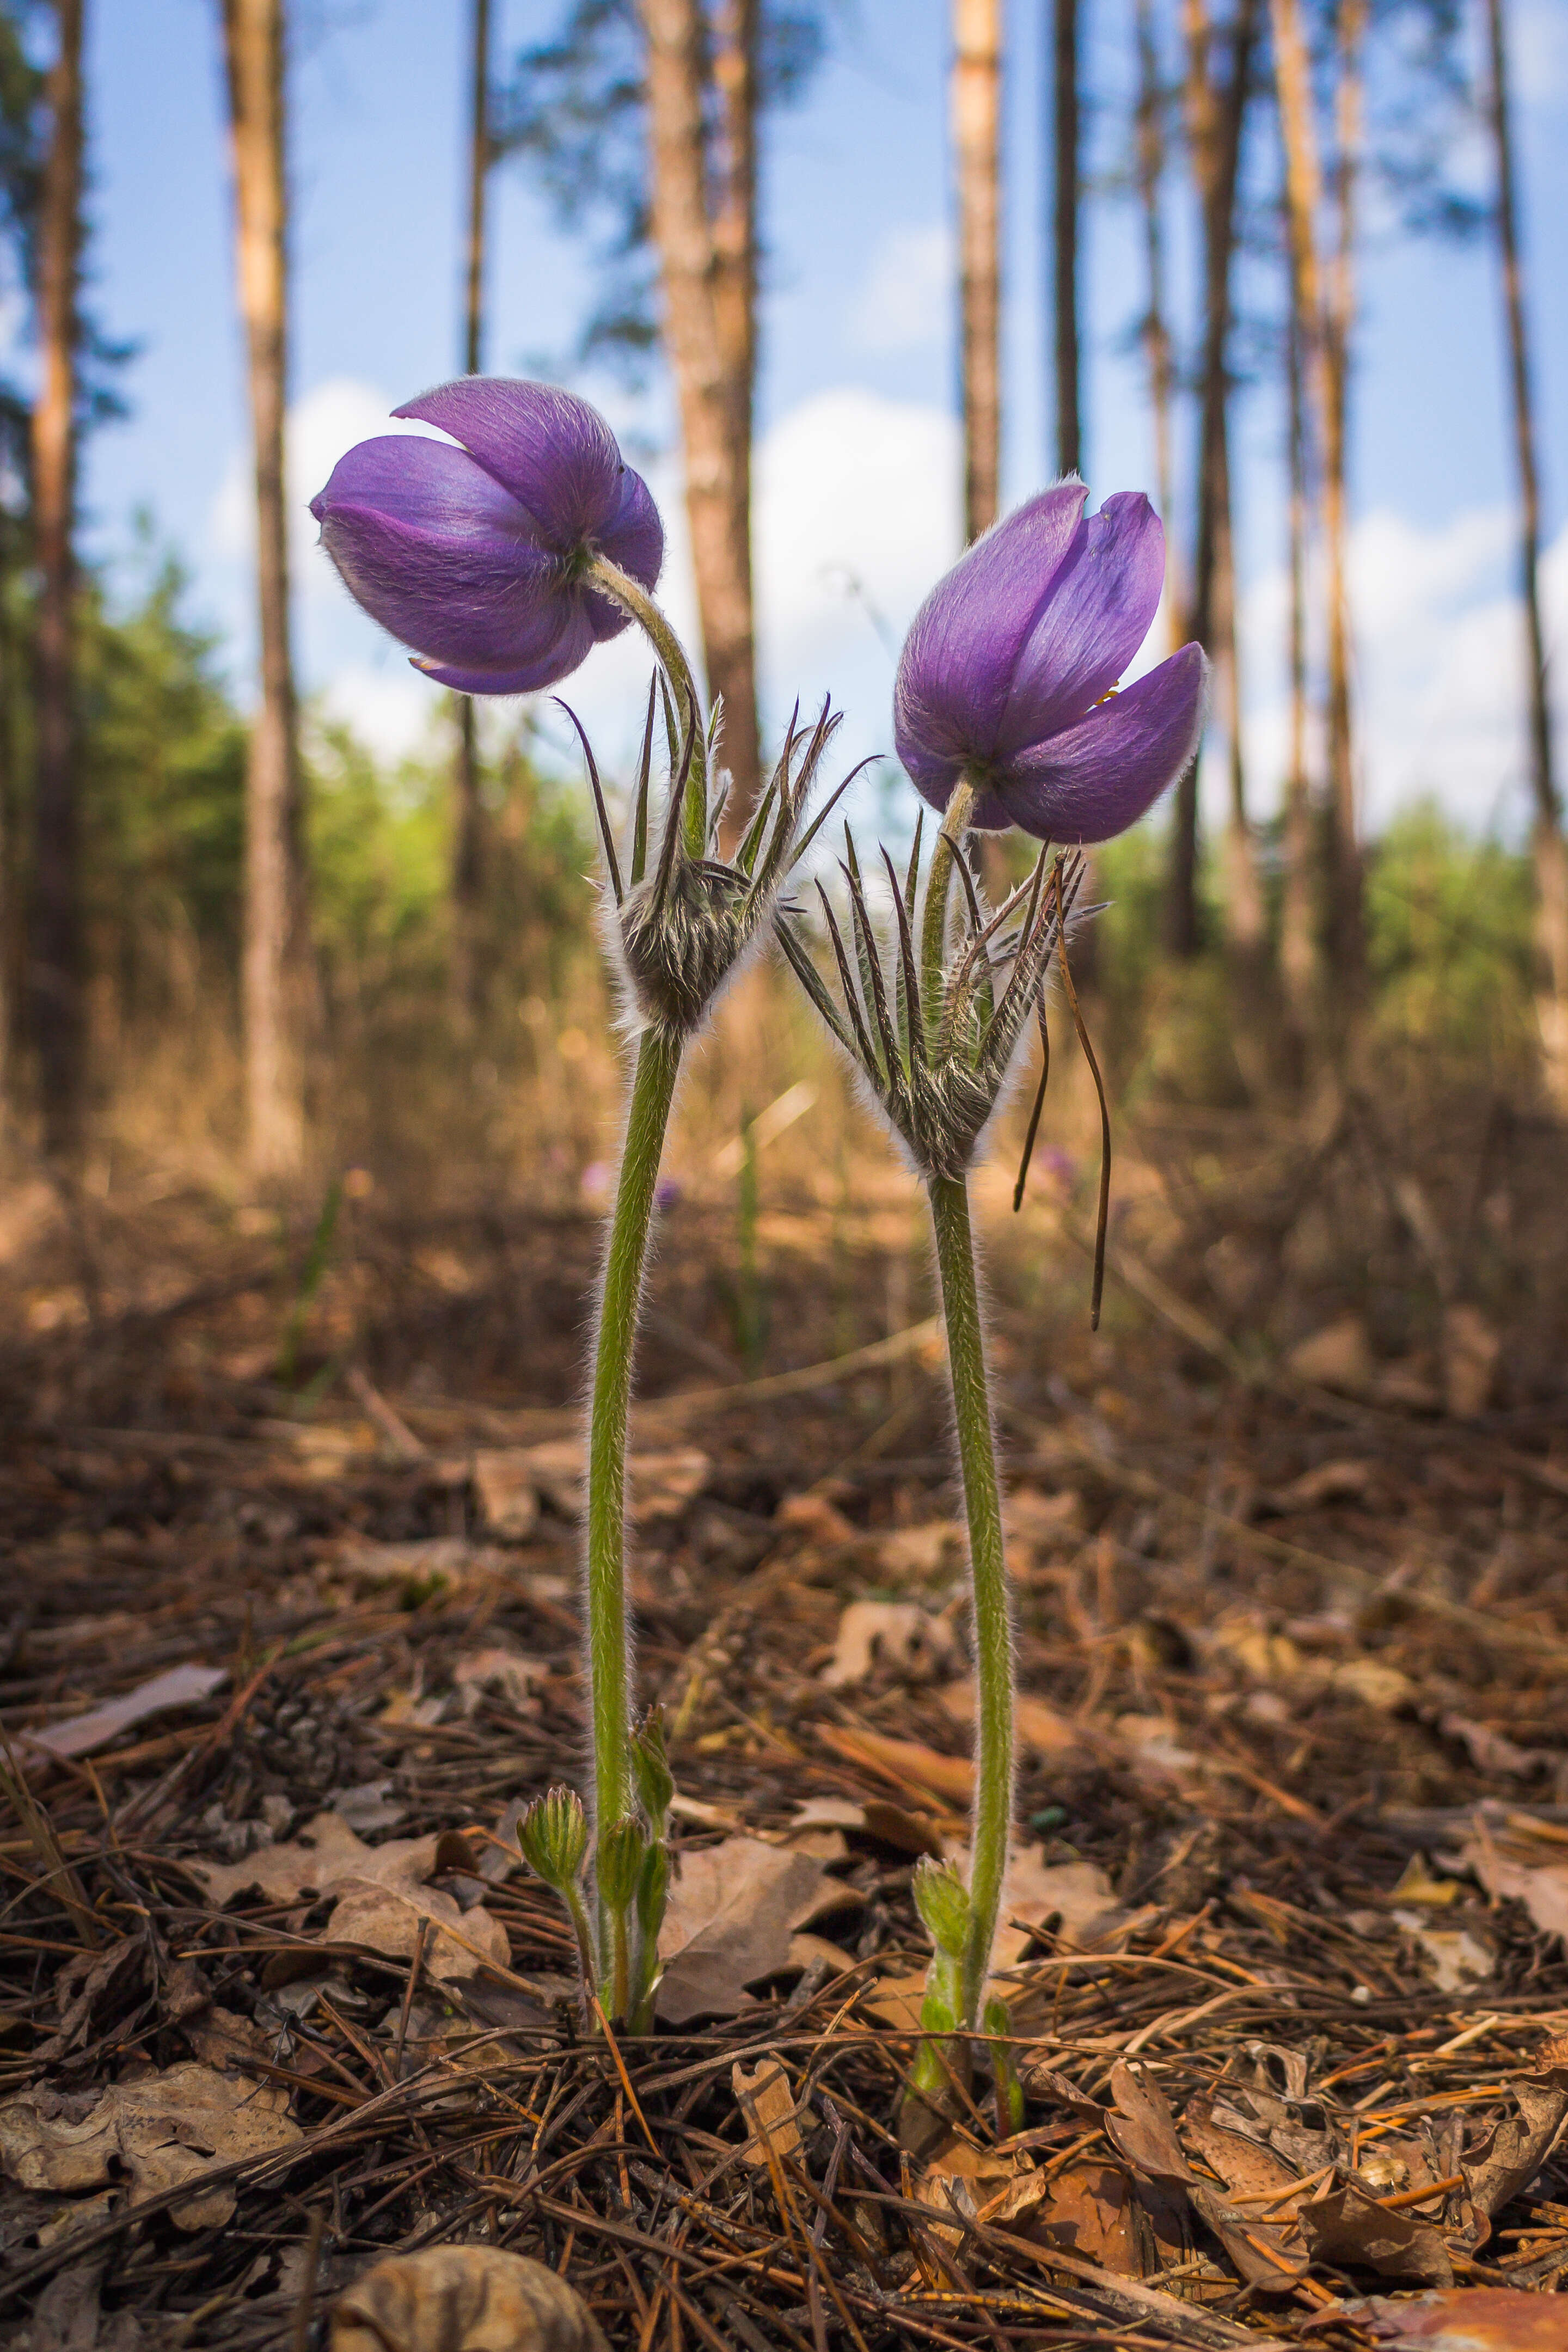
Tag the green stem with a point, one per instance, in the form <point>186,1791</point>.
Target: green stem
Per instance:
<point>992,1813</point>
<point>634,601</point>
<point>653,1091</point>
<point>938,885</point>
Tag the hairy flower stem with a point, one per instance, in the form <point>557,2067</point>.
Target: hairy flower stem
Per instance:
<point>653,1091</point>
<point>938,884</point>
<point>635,600</point>
<point>993,1813</point>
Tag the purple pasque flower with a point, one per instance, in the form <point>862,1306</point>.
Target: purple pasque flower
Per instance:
<point>477,557</point>
<point>1009,671</point>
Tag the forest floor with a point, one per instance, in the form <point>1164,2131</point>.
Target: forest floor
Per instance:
<point>289,1631</point>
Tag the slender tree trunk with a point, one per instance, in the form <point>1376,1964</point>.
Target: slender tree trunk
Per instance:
<point>1297,912</point>
<point>1344,872</point>
<point>976,139</point>
<point>1301,935</point>
<point>1244,916</point>
<point>274,974</point>
<point>1150,159</point>
<point>468,831</point>
<point>56,987</point>
<point>1065,187</point>
<point>1215,116</point>
<point>1551,852</point>
<point>705,222</point>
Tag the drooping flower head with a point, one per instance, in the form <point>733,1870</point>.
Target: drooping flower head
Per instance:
<point>1008,673</point>
<point>479,557</point>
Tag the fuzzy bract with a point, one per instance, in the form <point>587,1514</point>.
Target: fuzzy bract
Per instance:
<point>476,556</point>
<point>1009,672</point>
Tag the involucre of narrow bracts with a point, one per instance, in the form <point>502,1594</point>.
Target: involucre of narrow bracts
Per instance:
<point>685,916</point>
<point>934,1036</point>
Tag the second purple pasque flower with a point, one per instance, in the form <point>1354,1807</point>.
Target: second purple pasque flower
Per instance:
<point>478,556</point>
<point>1007,676</point>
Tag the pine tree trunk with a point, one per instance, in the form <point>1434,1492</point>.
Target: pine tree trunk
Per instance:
<point>1342,860</point>
<point>56,977</point>
<point>976,135</point>
<point>1216,115</point>
<point>1065,183</point>
<point>704,225</point>
<point>1551,852</point>
<point>1298,911</point>
<point>468,830</point>
<point>1299,936</point>
<point>274,970</point>
<point>1150,158</point>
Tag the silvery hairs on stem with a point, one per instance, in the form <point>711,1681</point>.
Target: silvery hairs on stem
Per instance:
<point>934,1043</point>
<point>685,919</point>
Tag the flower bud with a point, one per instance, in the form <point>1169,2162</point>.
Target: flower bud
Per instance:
<point>651,1763</point>
<point>942,1901</point>
<point>622,1849</point>
<point>552,1837</point>
<point>686,917</point>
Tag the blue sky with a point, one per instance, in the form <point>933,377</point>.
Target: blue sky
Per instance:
<point>857,450</point>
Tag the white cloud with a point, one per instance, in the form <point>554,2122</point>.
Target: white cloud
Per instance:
<point>906,301</point>
<point>1438,677</point>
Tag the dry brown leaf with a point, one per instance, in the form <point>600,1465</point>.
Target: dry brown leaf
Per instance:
<point>1248,2167</point>
<point>921,1551</point>
<point>908,1764</point>
<point>462,2299</point>
<point>507,1674</point>
<point>1038,1724</point>
<point>1091,2209</point>
<point>1462,2319</point>
<point>1493,1751</point>
<point>659,1486</point>
<point>896,1635</point>
<point>1518,2148</point>
<point>1470,1352</point>
<point>733,1910</point>
<point>1457,1957</point>
<point>1142,2129</point>
<point>767,2102</point>
<point>67,2317</point>
<point>1338,1357</point>
<point>1345,2228</point>
<point>1331,1481</point>
<point>1530,1871</point>
<point>379,1890</point>
<point>1077,1895</point>
<point>815,1517</point>
<point>1032,1518</point>
<point>509,1498</point>
<point>160,2131</point>
<point>1383,1688</point>
<point>962,2180</point>
<point>79,1733</point>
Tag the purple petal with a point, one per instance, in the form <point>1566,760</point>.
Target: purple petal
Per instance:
<point>956,668</point>
<point>633,536</point>
<point>935,784</point>
<point>1098,613</point>
<point>1094,780</point>
<point>634,539</point>
<point>556,456</point>
<point>439,555</point>
<point>574,644</point>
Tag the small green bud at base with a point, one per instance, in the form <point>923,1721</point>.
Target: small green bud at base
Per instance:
<point>994,2021</point>
<point>623,1849</point>
<point>553,1838</point>
<point>651,1764</point>
<point>653,1893</point>
<point>942,1901</point>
